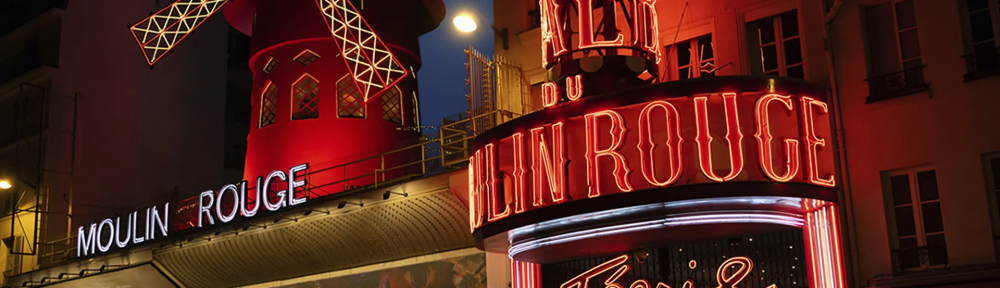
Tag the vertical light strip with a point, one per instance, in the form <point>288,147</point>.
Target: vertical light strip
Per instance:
<point>525,274</point>
<point>823,241</point>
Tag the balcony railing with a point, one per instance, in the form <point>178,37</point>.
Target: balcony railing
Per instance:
<point>982,64</point>
<point>896,84</point>
<point>919,258</point>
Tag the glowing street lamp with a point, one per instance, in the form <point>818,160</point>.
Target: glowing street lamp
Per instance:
<point>4,184</point>
<point>466,24</point>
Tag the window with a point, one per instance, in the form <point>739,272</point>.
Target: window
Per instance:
<point>896,68</point>
<point>306,57</point>
<point>268,104</point>
<point>349,100</point>
<point>270,65</point>
<point>776,46</point>
<point>392,106</point>
<point>914,218</point>
<point>991,165</point>
<point>305,98</point>
<point>692,59</point>
<point>980,34</point>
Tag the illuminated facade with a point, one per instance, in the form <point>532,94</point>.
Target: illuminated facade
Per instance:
<point>898,76</point>
<point>653,144</point>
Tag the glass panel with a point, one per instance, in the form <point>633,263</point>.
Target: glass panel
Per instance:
<point>790,24</point>
<point>706,50</point>
<point>900,186</point>
<point>683,53</point>
<point>793,52</point>
<point>795,72</point>
<point>978,4</point>
<point>770,57</point>
<point>931,213</point>
<point>905,17</point>
<point>909,256</point>
<point>905,225</point>
<point>684,73</point>
<point>982,26</point>
<point>937,250</point>
<point>909,46</point>
<point>927,182</point>
<point>766,30</point>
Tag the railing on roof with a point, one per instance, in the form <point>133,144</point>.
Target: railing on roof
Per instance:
<point>498,93</point>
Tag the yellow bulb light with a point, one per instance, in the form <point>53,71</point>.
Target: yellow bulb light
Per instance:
<point>464,23</point>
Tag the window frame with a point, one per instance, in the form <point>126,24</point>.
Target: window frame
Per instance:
<point>294,108</point>
<point>993,196</point>
<point>364,106</point>
<point>399,106</point>
<point>899,42</point>
<point>674,66</point>
<point>965,15</point>
<point>273,100</point>
<point>917,207</point>
<point>779,43</point>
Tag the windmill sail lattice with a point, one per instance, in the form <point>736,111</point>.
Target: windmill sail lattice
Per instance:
<point>160,32</point>
<point>372,65</point>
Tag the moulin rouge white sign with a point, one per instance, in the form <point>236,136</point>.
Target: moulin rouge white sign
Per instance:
<point>231,200</point>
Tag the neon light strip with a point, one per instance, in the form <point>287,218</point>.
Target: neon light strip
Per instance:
<point>698,218</point>
<point>790,203</point>
<point>824,245</point>
<point>372,65</point>
<point>161,31</point>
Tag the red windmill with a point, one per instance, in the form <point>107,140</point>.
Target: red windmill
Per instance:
<point>308,106</point>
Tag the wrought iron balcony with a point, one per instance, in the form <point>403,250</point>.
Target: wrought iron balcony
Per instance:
<point>896,84</point>
<point>919,258</point>
<point>982,64</point>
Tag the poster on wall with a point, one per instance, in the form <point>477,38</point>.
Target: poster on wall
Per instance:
<point>458,272</point>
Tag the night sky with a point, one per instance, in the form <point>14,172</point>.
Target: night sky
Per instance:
<point>441,80</point>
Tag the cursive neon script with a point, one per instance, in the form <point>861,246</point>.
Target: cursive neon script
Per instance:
<point>743,266</point>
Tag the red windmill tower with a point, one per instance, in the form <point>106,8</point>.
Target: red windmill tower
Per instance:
<point>332,79</point>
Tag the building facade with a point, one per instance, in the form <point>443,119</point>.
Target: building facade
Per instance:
<point>882,172</point>
<point>902,75</point>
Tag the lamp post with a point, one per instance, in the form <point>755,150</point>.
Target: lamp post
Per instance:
<point>466,23</point>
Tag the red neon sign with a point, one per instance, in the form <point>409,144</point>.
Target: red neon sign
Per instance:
<point>594,152</point>
<point>671,142</point>
<point>741,267</point>
<point>595,32</point>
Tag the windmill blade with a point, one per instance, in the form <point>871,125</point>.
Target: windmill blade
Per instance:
<point>370,62</point>
<point>160,32</point>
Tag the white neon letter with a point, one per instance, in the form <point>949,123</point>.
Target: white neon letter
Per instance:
<point>256,198</point>
<point>111,235</point>
<point>202,208</point>
<point>136,239</point>
<point>118,231</point>
<point>267,183</point>
<point>86,243</point>
<point>292,184</point>
<point>162,222</point>
<point>236,203</point>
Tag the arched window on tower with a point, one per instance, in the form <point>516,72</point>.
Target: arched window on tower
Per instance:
<point>305,98</point>
<point>392,105</point>
<point>349,99</point>
<point>268,104</point>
